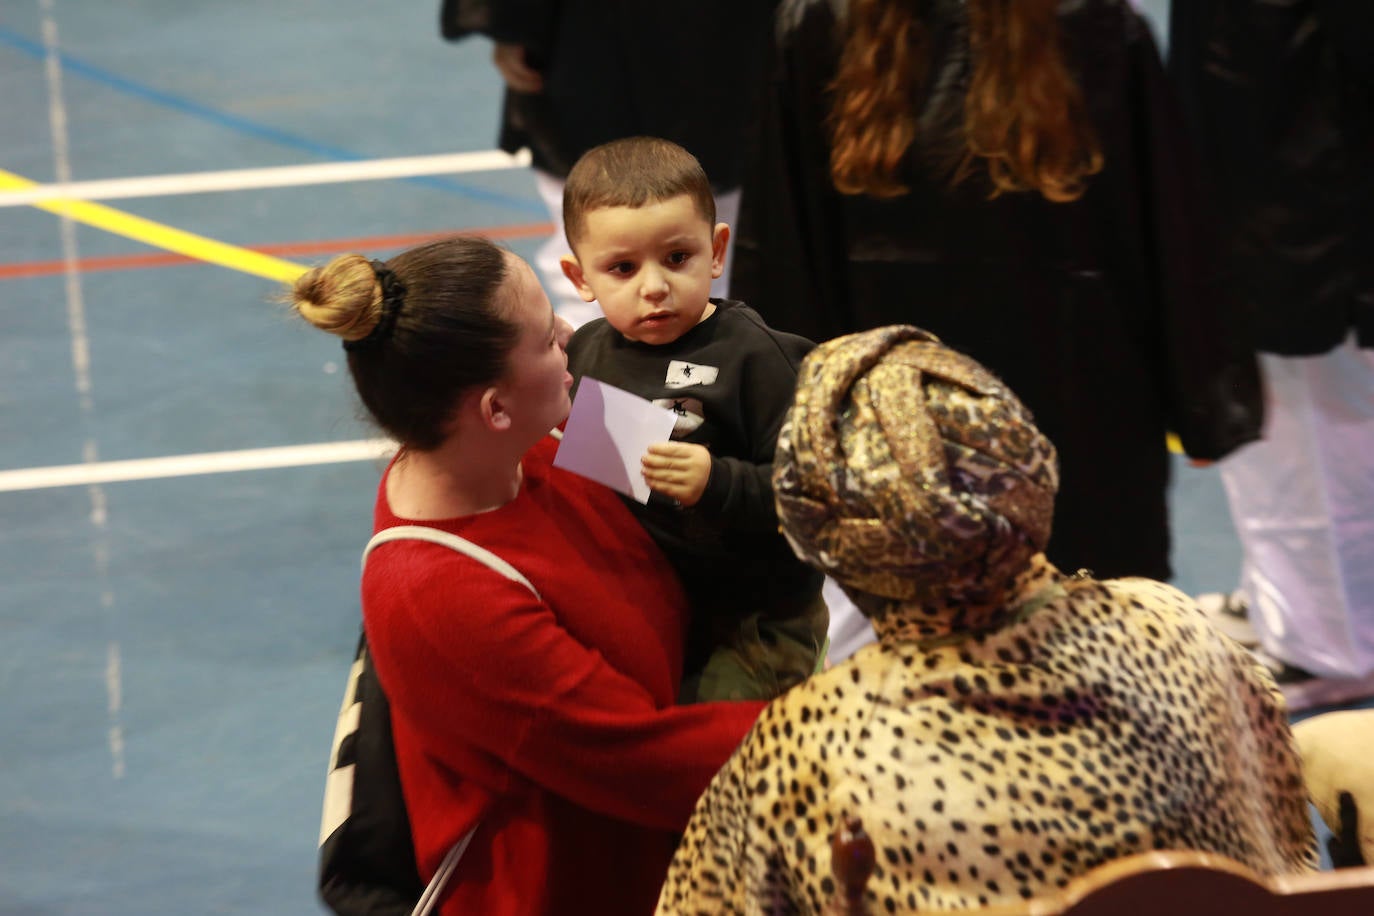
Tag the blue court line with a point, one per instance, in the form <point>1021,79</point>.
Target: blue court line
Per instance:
<point>243,125</point>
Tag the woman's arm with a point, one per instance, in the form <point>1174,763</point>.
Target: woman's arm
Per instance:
<point>709,872</point>
<point>725,863</point>
<point>496,674</point>
<point>740,487</point>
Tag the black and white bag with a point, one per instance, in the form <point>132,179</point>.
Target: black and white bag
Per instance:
<point>367,859</point>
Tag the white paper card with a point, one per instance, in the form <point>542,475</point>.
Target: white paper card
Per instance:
<point>607,434</point>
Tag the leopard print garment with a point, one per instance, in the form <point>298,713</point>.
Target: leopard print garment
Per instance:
<point>1109,721</point>
<point>1013,727</point>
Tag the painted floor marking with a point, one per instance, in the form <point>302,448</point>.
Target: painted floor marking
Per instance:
<point>286,176</point>
<point>101,472</point>
<point>160,236</point>
<point>245,126</point>
<point>371,244</point>
<point>80,349</point>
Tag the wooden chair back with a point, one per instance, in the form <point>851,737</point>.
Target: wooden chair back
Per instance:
<point>1200,884</point>
<point>1148,884</point>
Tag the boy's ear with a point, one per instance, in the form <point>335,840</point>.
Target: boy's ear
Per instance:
<point>573,271</point>
<point>720,241</point>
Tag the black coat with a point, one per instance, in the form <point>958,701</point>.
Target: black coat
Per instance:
<point>1281,96</point>
<point>622,68</point>
<point>1099,313</point>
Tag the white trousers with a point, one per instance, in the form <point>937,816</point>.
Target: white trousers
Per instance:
<point>1302,500</point>
<point>563,295</point>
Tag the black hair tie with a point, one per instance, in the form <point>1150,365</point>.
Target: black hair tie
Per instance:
<point>393,297</point>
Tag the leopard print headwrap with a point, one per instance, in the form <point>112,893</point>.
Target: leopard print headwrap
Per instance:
<point>910,474</point>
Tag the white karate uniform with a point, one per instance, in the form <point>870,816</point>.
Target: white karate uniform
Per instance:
<point>1302,500</point>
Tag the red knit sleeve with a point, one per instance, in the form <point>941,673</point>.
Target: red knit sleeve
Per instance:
<point>495,674</point>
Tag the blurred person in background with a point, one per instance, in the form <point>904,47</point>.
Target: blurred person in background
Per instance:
<point>582,74</point>
<point>1280,94</point>
<point>1014,177</point>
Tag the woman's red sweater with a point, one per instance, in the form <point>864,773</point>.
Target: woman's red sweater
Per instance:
<point>549,723</point>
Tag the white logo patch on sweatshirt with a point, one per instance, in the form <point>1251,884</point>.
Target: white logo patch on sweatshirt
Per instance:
<point>689,412</point>
<point>682,374</point>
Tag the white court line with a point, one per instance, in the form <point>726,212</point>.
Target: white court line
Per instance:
<point>81,364</point>
<point>57,126</point>
<point>73,475</point>
<point>277,177</point>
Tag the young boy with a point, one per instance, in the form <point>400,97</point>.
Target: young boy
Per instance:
<point>640,220</point>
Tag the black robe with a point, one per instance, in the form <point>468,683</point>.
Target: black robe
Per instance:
<point>623,68</point>
<point>1281,97</point>
<point>1101,314</point>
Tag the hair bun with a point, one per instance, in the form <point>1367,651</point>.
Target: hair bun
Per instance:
<point>343,297</point>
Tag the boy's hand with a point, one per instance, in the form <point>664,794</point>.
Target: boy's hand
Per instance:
<point>678,470</point>
<point>515,70</point>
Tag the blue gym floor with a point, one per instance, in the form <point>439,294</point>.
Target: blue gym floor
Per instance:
<point>173,648</point>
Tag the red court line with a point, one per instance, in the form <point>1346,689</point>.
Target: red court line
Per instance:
<point>280,249</point>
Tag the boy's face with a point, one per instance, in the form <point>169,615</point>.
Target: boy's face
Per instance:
<point>650,267</point>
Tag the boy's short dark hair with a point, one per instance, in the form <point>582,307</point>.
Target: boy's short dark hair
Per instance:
<point>632,172</point>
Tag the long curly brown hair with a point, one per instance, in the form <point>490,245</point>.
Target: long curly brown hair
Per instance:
<point>1024,119</point>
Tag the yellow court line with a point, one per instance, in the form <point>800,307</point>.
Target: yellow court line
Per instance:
<point>160,236</point>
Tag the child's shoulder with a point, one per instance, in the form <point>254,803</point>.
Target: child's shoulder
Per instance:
<point>590,329</point>
<point>588,334</point>
<point>736,310</point>
<point>745,321</point>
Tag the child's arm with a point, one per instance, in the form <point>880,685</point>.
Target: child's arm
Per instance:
<point>738,486</point>
<point>741,489</point>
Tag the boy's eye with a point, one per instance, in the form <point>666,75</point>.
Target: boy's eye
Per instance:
<point>622,267</point>
<point>678,257</point>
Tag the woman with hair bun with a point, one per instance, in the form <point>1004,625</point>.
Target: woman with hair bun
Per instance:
<point>546,721</point>
<point>1011,175</point>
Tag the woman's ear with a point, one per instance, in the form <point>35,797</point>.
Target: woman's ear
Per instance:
<point>573,271</point>
<point>492,410</point>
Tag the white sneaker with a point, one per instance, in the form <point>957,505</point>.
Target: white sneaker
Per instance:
<point>1230,614</point>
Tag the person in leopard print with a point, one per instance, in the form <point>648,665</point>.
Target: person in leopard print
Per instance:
<point>1014,726</point>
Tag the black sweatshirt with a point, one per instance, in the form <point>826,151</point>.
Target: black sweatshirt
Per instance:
<point>731,380</point>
